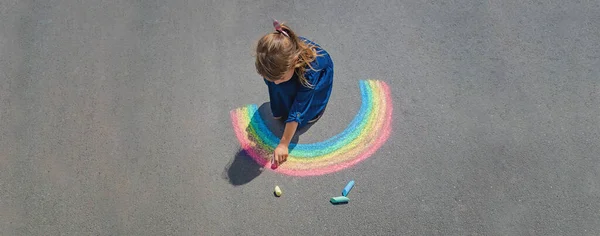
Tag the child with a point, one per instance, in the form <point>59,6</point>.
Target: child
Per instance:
<point>299,75</point>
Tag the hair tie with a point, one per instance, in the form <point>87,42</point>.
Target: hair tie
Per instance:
<point>279,29</point>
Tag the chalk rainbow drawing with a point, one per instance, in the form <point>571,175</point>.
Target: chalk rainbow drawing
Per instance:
<point>367,132</point>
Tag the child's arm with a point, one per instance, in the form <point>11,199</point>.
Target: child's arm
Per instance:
<point>281,152</point>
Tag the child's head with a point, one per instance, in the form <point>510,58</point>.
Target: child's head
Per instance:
<point>281,54</point>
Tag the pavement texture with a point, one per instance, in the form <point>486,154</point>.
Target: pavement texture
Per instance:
<point>114,118</point>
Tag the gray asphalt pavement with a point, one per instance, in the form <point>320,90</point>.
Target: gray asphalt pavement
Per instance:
<point>114,118</point>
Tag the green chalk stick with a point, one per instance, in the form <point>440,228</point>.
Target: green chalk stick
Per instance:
<point>340,199</point>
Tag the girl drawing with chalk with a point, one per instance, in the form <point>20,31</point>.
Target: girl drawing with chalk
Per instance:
<point>299,77</point>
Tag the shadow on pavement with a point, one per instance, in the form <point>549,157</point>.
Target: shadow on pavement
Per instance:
<point>242,168</point>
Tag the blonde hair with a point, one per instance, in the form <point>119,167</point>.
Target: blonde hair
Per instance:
<point>277,53</point>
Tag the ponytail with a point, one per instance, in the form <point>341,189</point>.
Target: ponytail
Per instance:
<point>275,56</point>
<point>306,54</point>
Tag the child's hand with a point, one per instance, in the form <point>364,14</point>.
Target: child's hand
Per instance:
<point>280,154</point>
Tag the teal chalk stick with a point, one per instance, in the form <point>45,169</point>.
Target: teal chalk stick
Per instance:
<point>348,188</point>
<point>340,199</point>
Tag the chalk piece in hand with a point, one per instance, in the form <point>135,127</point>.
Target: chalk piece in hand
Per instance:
<point>348,188</point>
<point>338,200</point>
<point>273,163</point>
<point>277,191</point>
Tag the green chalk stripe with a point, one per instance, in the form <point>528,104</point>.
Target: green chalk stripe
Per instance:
<point>340,199</point>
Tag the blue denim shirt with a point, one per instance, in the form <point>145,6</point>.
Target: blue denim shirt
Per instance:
<point>297,102</point>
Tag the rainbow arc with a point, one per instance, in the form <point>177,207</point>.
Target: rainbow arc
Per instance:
<point>367,132</point>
